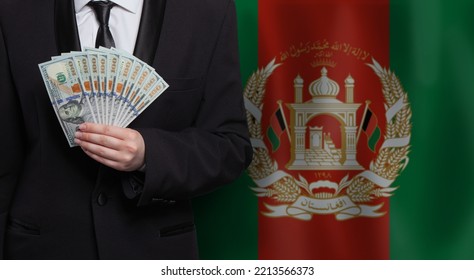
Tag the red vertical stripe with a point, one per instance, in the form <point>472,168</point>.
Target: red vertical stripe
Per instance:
<point>287,26</point>
<point>371,124</point>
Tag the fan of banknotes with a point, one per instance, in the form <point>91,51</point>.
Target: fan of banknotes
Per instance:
<point>106,86</point>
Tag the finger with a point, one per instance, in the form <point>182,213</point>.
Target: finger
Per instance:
<point>99,139</point>
<point>114,131</point>
<point>104,161</point>
<point>117,165</point>
<point>98,150</point>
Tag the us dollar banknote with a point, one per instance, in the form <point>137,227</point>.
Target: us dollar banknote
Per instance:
<point>105,86</point>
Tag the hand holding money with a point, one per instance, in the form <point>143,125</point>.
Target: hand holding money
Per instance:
<point>122,149</point>
<point>101,86</point>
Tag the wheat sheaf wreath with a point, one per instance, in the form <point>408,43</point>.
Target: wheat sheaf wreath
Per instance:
<point>364,187</point>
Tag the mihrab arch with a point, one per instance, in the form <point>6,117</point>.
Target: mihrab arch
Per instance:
<point>324,101</point>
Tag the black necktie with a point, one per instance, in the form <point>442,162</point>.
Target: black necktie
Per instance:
<point>102,12</point>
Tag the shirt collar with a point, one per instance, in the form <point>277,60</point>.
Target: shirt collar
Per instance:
<point>131,6</point>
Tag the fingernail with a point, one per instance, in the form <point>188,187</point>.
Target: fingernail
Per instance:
<point>78,134</point>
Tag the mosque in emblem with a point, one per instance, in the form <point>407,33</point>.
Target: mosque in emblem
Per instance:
<point>313,148</point>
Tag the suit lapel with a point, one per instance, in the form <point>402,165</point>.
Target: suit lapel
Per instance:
<point>67,36</point>
<point>150,29</point>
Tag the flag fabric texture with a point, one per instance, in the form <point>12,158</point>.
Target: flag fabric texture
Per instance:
<point>422,208</point>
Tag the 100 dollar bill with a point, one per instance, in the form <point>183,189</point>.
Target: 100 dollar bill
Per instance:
<point>65,91</point>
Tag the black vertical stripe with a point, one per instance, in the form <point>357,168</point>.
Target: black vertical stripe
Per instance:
<point>281,122</point>
<point>368,116</point>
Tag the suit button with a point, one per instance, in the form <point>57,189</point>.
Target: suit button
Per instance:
<point>102,199</point>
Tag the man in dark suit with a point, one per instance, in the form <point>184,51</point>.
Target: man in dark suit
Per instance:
<point>58,202</point>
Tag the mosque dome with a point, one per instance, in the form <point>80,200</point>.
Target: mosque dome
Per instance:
<point>324,87</point>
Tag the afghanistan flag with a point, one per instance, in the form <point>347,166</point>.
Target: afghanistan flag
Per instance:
<point>324,194</point>
<point>371,129</point>
<point>276,128</point>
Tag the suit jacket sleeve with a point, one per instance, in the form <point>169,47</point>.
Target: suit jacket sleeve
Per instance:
<point>216,149</point>
<point>11,141</point>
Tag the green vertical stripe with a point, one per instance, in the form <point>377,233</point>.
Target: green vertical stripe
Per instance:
<point>247,16</point>
<point>432,52</point>
<point>226,220</point>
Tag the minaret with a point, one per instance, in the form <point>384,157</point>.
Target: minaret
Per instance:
<point>298,84</point>
<point>349,89</point>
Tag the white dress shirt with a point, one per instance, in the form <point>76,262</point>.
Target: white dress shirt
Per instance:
<point>124,23</point>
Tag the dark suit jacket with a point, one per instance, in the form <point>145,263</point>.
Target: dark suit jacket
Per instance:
<point>55,202</point>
